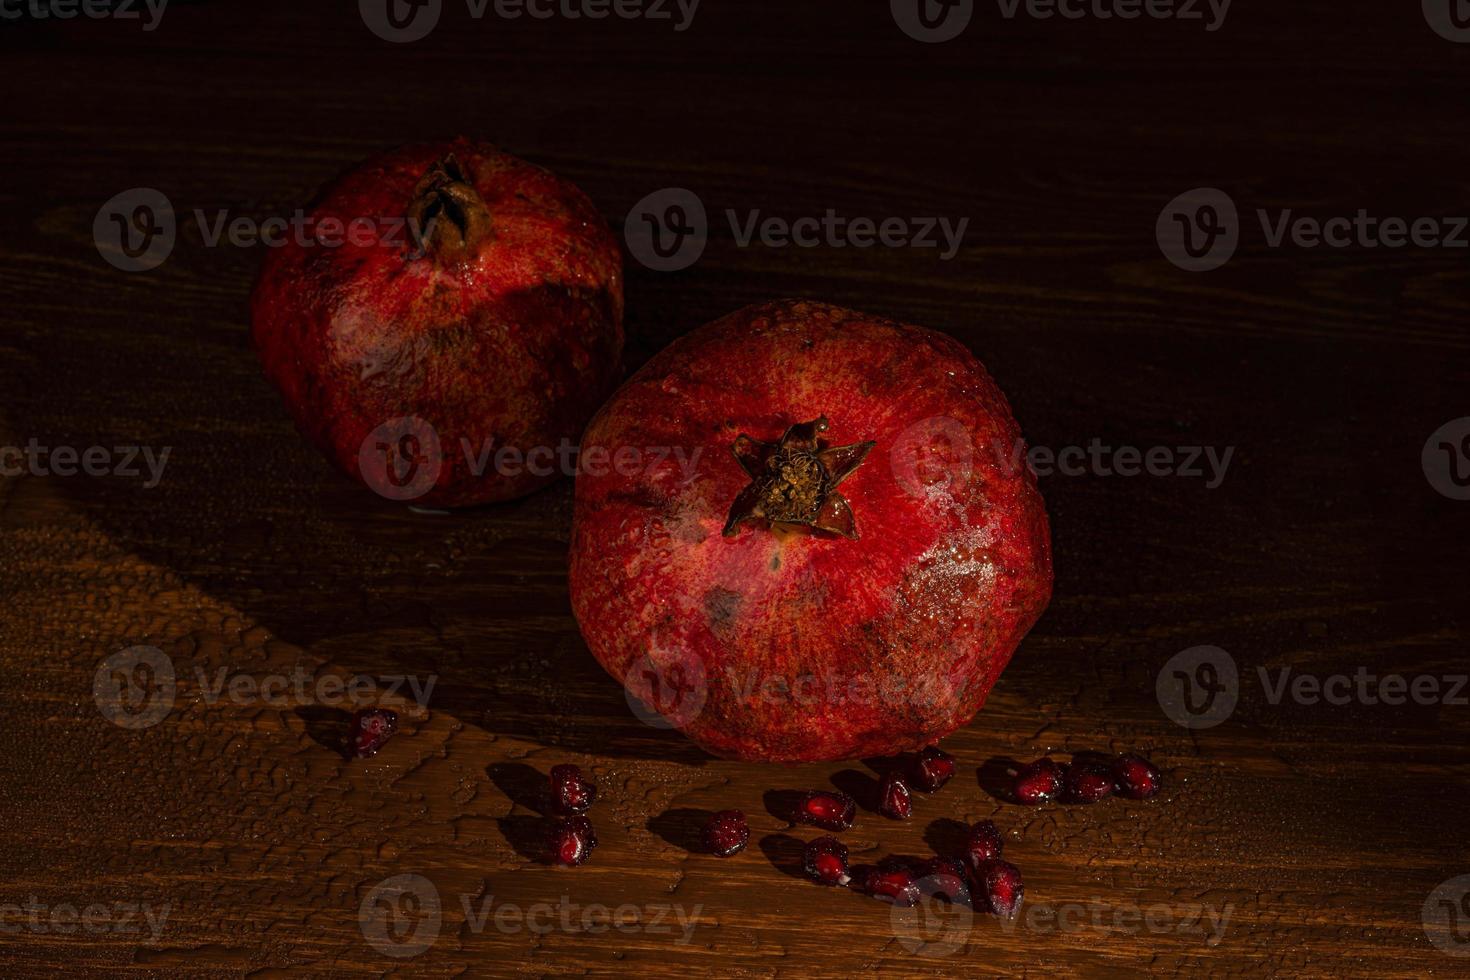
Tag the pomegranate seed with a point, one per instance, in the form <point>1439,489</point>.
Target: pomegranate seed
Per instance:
<point>825,861</point>
<point>726,833</point>
<point>572,841</point>
<point>370,728</point>
<point>1000,883</point>
<point>1038,782</point>
<point>944,876</point>
<point>570,793</point>
<point>1088,782</point>
<point>932,768</point>
<point>894,801</point>
<point>830,811</point>
<point>893,879</point>
<point>983,844</point>
<point>1136,778</point>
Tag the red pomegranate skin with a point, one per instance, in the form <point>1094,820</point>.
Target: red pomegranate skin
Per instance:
<point>512,341</point>
<point>781,642</point>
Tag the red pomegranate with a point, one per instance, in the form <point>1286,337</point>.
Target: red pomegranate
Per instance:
<point>445,323</point>
<point>819,546</point>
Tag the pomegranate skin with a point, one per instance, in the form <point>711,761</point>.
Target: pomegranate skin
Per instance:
<point>509,341</point>
<point>782,642</point>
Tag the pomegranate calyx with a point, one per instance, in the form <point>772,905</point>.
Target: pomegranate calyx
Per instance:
<point>794,480</point>
<point>447,216</point>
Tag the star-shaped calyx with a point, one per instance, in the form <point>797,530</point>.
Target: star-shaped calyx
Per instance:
<point>794,481</point>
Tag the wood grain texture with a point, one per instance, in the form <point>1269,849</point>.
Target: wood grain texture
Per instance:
<point>1323,830</point>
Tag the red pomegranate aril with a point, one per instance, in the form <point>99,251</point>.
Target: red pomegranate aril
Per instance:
<point>944,876</point>
<point>830,811</point>
<point>1000,884</point>
<point>894,800</point>
<point>893,879</point>
<point>825,861</point>
<point>570,793</point>
<point>1088,782</point>
<point>983,844</point>
<point>726,833</point>
<point>1136,778</point>
<point>932,768</point>
<point>1038,782</point>
<point>370,728</point>
<point>572,841</point>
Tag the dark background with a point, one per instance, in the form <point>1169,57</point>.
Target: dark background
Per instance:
<point>1323,828</point>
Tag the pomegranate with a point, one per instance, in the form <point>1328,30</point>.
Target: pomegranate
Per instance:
<point>931,769</point>
<point>1136,778</point>
<point>825,861</point>
<point>726,833</point>
<point>850,560</point>
<point>449,326</point>
<point>570,792</point>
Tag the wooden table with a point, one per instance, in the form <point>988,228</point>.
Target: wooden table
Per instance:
<point>1314,834</point>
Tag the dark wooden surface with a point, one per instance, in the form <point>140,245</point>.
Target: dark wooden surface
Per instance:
<point>1322,829</point>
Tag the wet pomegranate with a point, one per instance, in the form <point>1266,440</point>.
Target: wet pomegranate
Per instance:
<point>572,841</point>
<point>369,729</point>
<point>1038,782</point>
<point>931,768</point>
<point>824,860</point>
<point>726,833</point>
<point>1136,778</point>
<point>893,879</point>
<point>894,800</point>
<point>1000,883</point>
<point>983,844</point>
<point>825,551</point>
<point>830,811</point>
<point>1087,782</point>
<point>944,876</point>
<point>446,324</point>
<point>570,793</point>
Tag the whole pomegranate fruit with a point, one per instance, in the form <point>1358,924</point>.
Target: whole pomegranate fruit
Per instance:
<point>825,551</point>
<point>445,324</point>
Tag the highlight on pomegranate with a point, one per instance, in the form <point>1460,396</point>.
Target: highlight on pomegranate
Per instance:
<point>659,488</point>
